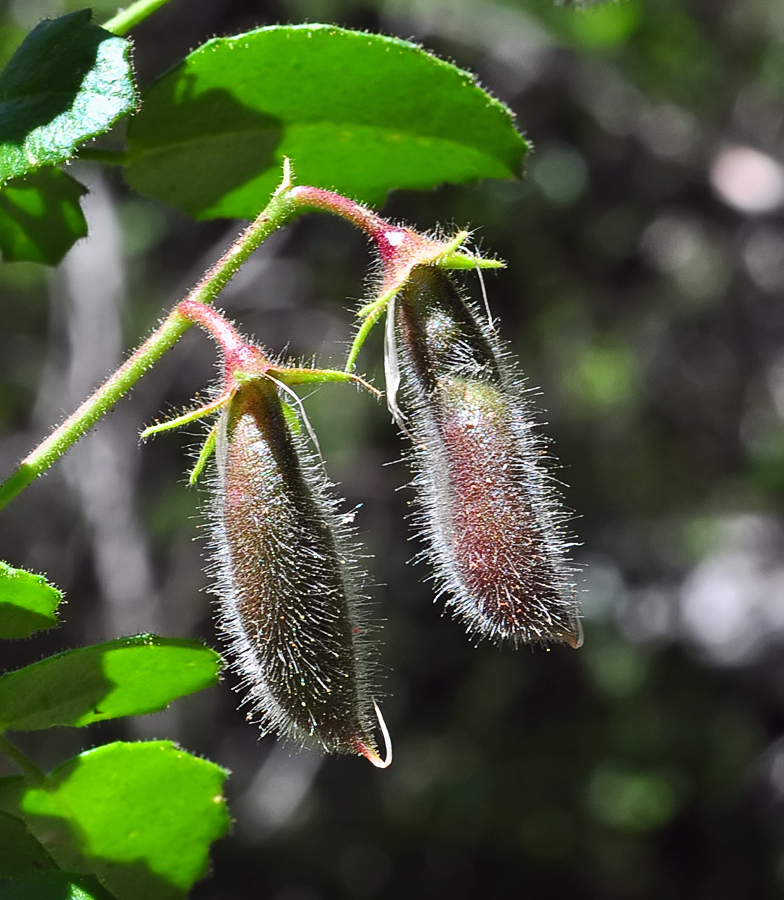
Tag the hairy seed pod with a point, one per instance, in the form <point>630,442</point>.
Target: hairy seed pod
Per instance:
<point>489,514</point>
<point>288,589</point>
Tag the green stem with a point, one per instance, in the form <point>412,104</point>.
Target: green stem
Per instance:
<point>22,760</point>
<point>286,203</point>
<point>279,210</point>
<point>126,19</point>
<point>372,313</point>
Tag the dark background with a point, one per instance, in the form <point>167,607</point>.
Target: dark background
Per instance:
<point>643,296</point>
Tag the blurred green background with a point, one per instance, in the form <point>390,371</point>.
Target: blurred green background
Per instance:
<point>643,299</point>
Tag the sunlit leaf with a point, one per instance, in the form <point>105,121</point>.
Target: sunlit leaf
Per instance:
<point>40,217</point>
<point>139,816</point>
<point>357,112</point>
<point>126,677</point>
<point>67,82</point>
<point>27,602</point>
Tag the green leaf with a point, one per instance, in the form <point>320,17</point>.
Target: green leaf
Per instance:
<point>127,677</point>
<point>356,112</point>
<point>54,886</point>
<point>27,602</point>
<point>139,816</point>
<point>20,852</point>
<point>40,217</point>
<point>68,81</point>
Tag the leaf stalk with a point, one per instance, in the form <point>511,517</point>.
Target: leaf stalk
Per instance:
<point>21,759</point>
<point>126,19</point>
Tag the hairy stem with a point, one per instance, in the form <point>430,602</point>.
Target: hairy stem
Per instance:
<point>286,203</point>
<point>280,209</point>
<point>21,759</point>
<point>400,250</point>
<point>328,201</point>
<point>126,19</point>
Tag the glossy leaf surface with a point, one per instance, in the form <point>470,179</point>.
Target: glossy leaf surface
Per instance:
<point>360,113</point>
<point>139,816</point>
<point>27,602</point>
<point>126,677</point>
<point>68,81</point>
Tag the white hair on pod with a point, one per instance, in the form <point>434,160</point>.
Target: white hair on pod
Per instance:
<point>288,581</point>
<point>492,521</point>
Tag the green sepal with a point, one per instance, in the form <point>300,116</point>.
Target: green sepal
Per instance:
<point>207,449</point>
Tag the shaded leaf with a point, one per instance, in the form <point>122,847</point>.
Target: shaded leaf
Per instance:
<point>20,852</point>
<point>67,82</point>
<point>139,816</point>
<point>40,217</point>
<point>27,602</point>
<point>54,886</point>
<point>126,677</point>
<point>356,112</point>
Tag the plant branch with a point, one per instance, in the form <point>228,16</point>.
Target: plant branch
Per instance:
<point>21,759</point>
<point>400,249</point>
<point>356,213</point>
<point>286,203</point>
<point>279,210</point>
<point>126,19</point>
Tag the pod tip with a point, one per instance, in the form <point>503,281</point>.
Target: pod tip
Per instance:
<point>370,753</point>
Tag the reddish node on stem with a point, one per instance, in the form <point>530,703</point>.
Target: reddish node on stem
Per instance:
<point>400,248</point>
<point>238,353</point>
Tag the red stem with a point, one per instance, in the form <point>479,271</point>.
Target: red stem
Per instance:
<point>387,237</point>
<point>237,353</point>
